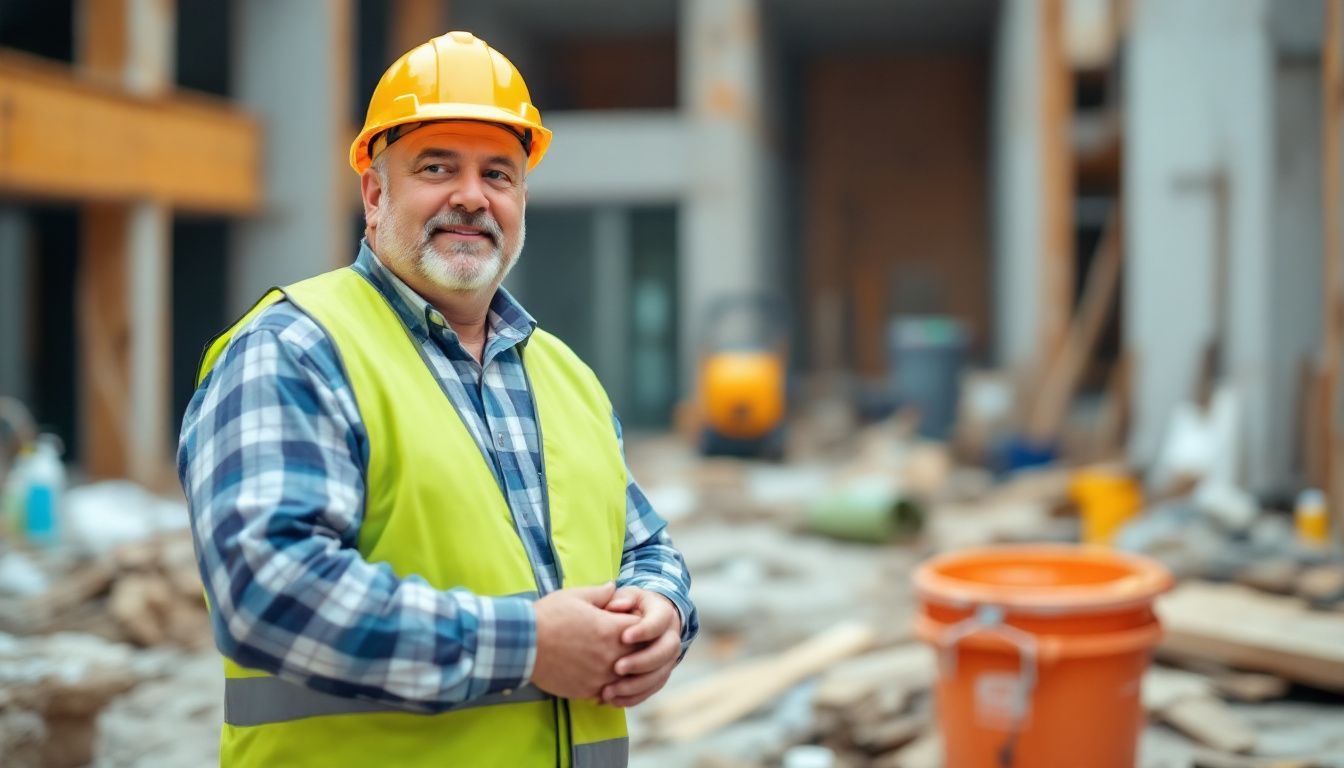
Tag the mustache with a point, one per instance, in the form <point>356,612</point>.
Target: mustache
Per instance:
<point>481,220</point>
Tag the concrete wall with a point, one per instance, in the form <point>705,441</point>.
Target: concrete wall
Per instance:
<point>292,63</point>
<point>630,157</point>
<point>1017,190</point>
<point>1296,291</point>
<point>1199,80</point>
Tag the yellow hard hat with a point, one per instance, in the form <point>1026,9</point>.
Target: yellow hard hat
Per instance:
<point>452,77</point>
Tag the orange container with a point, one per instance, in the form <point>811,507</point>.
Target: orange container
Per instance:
<point>1042,650</point>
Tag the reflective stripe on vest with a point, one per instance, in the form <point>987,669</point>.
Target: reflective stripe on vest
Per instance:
<point>612,753</point>
<point>267,700</point>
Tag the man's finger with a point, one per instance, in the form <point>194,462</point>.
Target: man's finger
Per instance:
<point>637,686</point>
<point>655,622</point>
<point>599,595</point>
<point>626,599</point>
<point>660,653</point>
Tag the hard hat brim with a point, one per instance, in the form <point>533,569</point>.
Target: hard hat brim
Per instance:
<point>427,113</point>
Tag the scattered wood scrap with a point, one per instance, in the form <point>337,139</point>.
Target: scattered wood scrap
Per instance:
<point>723,698</point>
<point>1209,721</point>
<point>908,668</point>
<point>1247,629</point>
<point>1250,687</point>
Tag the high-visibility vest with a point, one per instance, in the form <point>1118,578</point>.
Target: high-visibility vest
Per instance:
<point>433,508</point>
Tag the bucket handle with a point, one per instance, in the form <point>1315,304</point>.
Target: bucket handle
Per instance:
<point>988,619</point>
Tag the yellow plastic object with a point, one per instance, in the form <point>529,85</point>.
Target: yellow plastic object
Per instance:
<point>1106,501</point>
<point>742,393</point>
<point>1312,519</point>
<point>452,77</point>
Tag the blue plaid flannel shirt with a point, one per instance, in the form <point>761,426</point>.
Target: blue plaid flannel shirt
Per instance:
<point>273,459</point>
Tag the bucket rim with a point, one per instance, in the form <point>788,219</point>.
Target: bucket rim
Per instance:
<point>1145,580</point>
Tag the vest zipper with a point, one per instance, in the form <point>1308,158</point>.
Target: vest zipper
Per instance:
<point>555,558</point>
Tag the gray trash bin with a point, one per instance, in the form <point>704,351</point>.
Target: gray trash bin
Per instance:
<point>927,353</point>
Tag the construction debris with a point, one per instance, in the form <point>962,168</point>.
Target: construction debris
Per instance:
<point>1247,629</point>
<point>52,689</point>
<point>1209,721</point>
<point>736,692</point>
<point>144,592</point>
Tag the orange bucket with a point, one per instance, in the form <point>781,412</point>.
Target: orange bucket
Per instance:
<point>1042,650</point>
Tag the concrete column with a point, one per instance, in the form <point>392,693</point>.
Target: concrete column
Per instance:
<point>292,66</point>
<point>1199,101</point>
<point>1016,213</point>
<point>611,287</point>
<point>149,244</point>
<point>14,304</point>
<point>722,220</point>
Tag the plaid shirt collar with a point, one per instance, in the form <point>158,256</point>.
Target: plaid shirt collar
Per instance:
<point>507,320</point>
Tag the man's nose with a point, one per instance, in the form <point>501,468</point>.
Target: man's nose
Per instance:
<point>469,194</point>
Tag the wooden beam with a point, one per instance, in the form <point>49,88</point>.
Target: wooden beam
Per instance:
<point>1056,389</point>
<point>1056,110</point>
<point>103,40</point>
<point>123,323</point>
<point>68,137</point>
<point>1332,197</point>
<point>414,22</point>
<point>125,258</point>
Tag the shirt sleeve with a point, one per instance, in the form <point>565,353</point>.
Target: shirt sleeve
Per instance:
<point>272,458</point>
<point>650,561</point>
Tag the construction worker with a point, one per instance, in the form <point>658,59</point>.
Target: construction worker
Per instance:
<point>418,536</point>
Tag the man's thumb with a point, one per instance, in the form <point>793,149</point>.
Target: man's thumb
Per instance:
<point>599,595</point>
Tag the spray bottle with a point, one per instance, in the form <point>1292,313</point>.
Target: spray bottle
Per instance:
<point>44,477</point>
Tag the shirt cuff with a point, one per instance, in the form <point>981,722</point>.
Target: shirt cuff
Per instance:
<point>506,644</point>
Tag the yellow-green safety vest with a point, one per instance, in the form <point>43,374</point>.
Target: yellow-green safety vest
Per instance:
<point>433,508</point>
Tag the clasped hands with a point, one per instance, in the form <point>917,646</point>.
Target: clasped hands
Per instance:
<point>617,646</point>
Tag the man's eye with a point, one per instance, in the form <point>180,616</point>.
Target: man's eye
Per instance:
<point>495,175</point>
<point>435,168</point>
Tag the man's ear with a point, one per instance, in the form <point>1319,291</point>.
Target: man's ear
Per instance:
<point>371,192</point>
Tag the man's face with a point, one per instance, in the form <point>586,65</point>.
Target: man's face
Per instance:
<point>450,213</point>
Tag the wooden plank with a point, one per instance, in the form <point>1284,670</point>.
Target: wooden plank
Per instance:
<point>1056,111</point>
<point>1210,722</point>
<point>104,340</point>
<point>1244,628</point>
<point>910,667</point>
<point>414,22</point>
<point>770,679</point>
<point>103,40</point>
<point>67,137</point>
<point>1099,295</point>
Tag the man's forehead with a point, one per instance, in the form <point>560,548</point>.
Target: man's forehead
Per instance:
<point>464,136</point>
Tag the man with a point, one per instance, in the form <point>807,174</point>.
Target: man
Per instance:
<point>410,505</point>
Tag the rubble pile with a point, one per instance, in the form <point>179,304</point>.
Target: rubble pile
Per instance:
<point>52,689</point>
<point>147,593</point>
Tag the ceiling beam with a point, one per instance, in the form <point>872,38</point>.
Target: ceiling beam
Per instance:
<point>64,136</point>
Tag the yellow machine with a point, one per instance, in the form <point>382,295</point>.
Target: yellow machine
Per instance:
<point>742,383</point>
